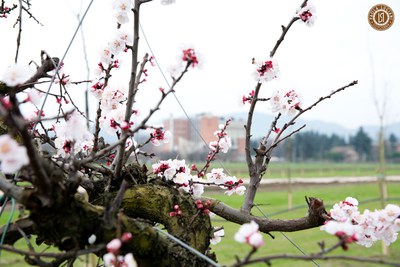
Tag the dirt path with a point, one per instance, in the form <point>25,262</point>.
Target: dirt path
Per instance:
<point>279,183</point>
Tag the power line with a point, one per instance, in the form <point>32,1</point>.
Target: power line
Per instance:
<point>186,246</point>
<point>288,238</point>
<point>177,99</point>
<point>61,61</point>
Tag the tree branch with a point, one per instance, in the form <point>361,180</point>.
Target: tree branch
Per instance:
<point>316,217</point>
<point>363,260</point>
<point>10,189</point>
<point>41,72</point>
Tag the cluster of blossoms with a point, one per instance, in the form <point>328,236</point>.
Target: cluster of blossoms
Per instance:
<point>307,14</point>
<point>265,70</point>
<point>248,98</point>
<point>12,155</point>
<point>363,228</point>
<point>73,136</point>
<point>288,103</point>
<point>224,141</point>
<point>108,60</point>
<point>16,74</point>
<point>203,206</point>
<point>121,10</point>
<point>113,259</point>
<point>188,57</point>
<point>178,172</point>
<point>113,109</point>
<point>230,183</point>
<point>176,212</point>
<point>248,233</point>
<point>112,98</point>
<point>159,136</point>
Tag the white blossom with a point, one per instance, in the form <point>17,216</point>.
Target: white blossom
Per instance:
<point>121,9</point>
<point>265,70</point>
<point>92,239</point>
<point>217,235</point>
<point>73,136</point>
<point>109,260</point>
<point>248,233</point>
<point>307,14</point>
<point>129,260</point>
<point>16,74</point>
<point>363,228</point>
<point>12,155</point>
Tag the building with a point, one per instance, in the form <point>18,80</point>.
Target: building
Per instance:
<point>195,135</point>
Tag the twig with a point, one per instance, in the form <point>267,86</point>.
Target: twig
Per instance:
<point>118,198</point>
<point>118,162</point>
<point>270,258</point>
<point>19,21</point>
<point>10,189</point>
<point>54,254</point>
<point>284,32</point>
<point>16,121</point>
<point>41,72</point>
<point>31,16</point>
<point>283,138</point>
<point>302,111</point>
<point>255,168</point>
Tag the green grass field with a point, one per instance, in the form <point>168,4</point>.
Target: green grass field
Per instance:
<point>307,240</point>
<point>274,204</point>
<point>312,169</point>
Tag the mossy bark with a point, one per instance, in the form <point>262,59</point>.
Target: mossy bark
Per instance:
<point>69,225</point>
<point>157,201</point>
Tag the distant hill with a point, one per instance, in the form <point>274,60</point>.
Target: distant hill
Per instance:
<point>262,121</point>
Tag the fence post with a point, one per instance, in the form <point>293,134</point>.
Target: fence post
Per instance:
<point>383,195</point>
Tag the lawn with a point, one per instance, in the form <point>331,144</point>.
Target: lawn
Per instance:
<point>274,204</point>
<point>309,169</point>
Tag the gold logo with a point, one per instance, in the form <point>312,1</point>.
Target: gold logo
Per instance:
<point>381,17</point>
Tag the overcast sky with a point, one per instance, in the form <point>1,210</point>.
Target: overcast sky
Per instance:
<point>339,48</point>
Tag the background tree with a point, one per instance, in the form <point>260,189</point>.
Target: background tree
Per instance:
<point>391,151</point>
<point>362,143</point>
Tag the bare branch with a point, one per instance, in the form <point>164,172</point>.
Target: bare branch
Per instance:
<point>361,260</point>
<point>316,217</point>
<point>10,189</point>
<point>302,111</point>
<point>19,21</point>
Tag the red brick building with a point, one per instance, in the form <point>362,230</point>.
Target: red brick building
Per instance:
<point>185,135</point>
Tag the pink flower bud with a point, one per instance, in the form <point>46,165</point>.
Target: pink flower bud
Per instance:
<point>125,126</point>
<point>114,245</point>
<point>126,237</point>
